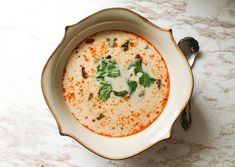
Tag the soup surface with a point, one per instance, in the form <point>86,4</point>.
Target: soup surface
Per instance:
<point>115,83</point>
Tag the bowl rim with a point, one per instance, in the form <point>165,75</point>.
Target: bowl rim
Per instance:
<point>63,133</point>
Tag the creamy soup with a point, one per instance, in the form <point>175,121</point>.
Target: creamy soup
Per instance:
<point>115,83</point>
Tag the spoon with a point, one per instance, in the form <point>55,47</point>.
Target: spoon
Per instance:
<point>190,48</point>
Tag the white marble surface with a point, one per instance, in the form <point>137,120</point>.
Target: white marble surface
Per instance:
<point>30,31</point>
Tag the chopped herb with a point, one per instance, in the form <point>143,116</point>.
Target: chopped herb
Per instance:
<point>142,92</point>
<point>137,64</point>
<point>105,90</point>
<point>125,46</point>
<point>146,47</point>
<point>107,68</point>
<point>84,73</point>
<point>146,80</point>
<point>159,83</point>
<point>111,41</point>
<point>100,116</point>
<point>132,86</point>
<point>120,93</point>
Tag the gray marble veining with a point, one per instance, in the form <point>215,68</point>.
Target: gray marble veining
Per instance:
<point>28,133</point>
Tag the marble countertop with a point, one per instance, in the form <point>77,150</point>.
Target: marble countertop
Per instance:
<point>31,30</point>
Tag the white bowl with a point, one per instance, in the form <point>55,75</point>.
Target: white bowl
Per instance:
<point>181,83</point>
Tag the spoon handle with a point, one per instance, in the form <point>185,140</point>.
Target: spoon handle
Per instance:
<point>190,47</point>
<point>186,119</point>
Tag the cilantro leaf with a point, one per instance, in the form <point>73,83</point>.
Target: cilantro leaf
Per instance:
<point>107,68</point>
<point>112,69</point>
<point>146,80</point>
<point>101,70</point>
<point>120,93</point>
<point>105,90</point>
<point>137,64</point>
<point>132,86</point>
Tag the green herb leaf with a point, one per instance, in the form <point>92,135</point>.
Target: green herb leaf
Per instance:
<point>111,41</point>
<point>120,93</point>
<point>112,69</point>
<point>105,90</point>
<point>101,70</point>
<point>107,68</point>
<point>132,86</point>
<point>146,80</point>
<point>137,64</point>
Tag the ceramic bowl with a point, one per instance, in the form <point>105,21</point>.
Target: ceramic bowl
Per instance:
<point>181,83</point>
